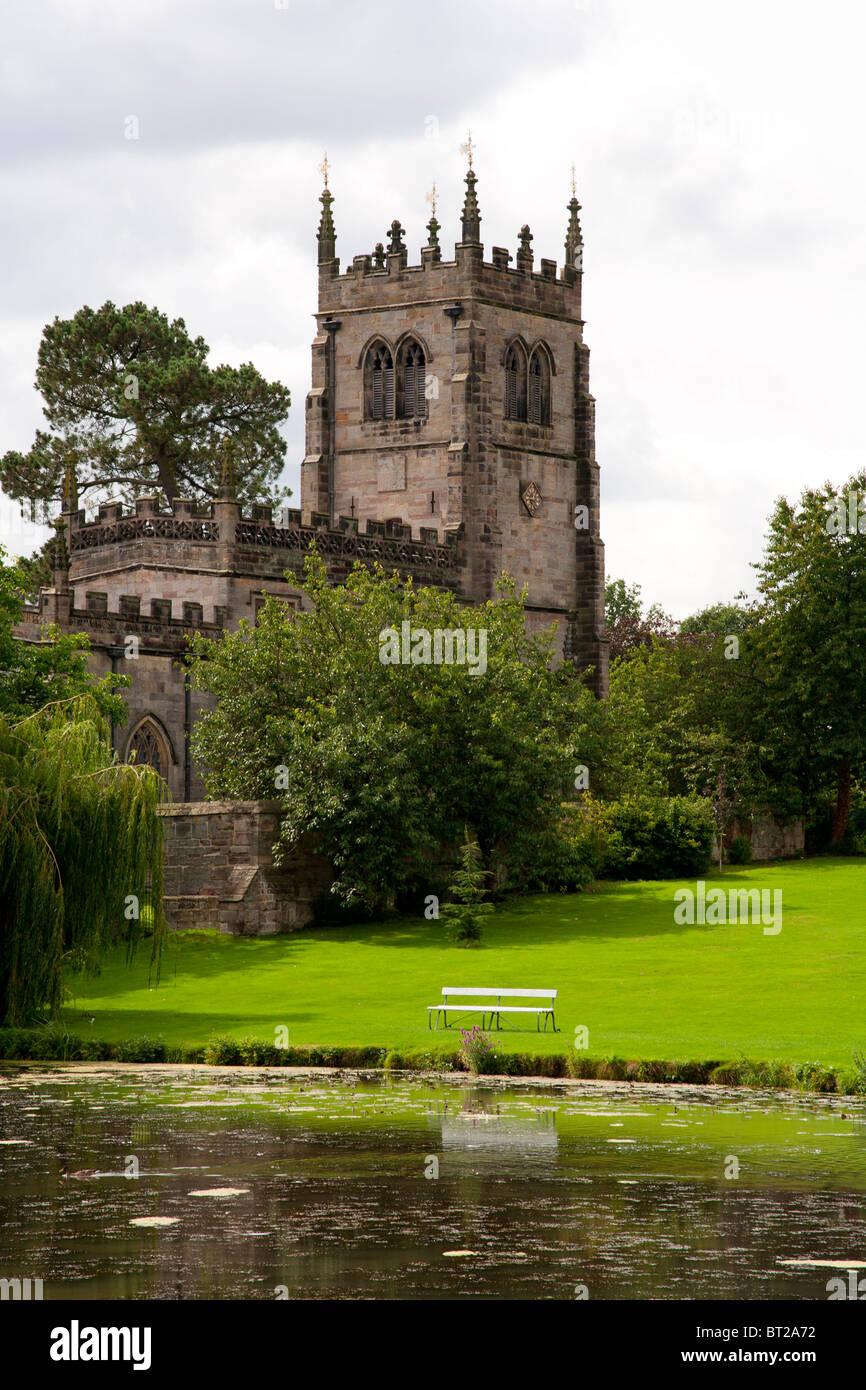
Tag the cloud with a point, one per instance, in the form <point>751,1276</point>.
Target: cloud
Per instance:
<point>717,151</point>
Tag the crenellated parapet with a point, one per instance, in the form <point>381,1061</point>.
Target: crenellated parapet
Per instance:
<point>152,623</point>
<point>224,527</point>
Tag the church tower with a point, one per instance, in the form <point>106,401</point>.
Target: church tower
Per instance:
<point>452,399</point>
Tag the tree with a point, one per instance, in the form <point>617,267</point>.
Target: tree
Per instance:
<point>134,408</point>
<point>727,619</point>
<point>686,716</point>
<point>813,639</point>
<point>52,669</point>
<point>628,627</point>
<point>464,916</point>
<point>35,570</point>
<point>80,852</point>
<point>385,763</point>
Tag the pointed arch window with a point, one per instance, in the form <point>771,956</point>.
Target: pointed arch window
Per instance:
<point>515,388</point>
<point>148,744</point>
<point>538,402</point>
<point>411,377</point>
<point>379,383</point>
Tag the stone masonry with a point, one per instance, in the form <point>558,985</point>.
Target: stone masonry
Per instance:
<point>219,871</point>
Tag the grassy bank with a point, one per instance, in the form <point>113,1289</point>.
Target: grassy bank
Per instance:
<point>644,987</point>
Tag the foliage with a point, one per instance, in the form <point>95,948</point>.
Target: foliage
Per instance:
<point>34,674</point>
<point>558,858</point>
<point>133,407</point>
<point>35,571</point>
<point>49,1044</point>
<point>857,1085</point>
<point>463,917</point>
<point>223,1051</point>
<point>812,641</point>
<point>477,1051</point>
<point>644,837</point>
<point>141,1049</point>
<point>812,1076</point>
<point>740,850</point>
<point>628,627</point>
<point>385,764</point>
<point>682,722</point>
<point>79,835</point>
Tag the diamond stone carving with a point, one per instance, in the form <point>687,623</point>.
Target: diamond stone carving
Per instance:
<point>531,498</point>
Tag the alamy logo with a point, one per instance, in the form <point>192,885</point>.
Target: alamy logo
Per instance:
<point>76,1343</point>
<point>856,1288</point>
<point>21,1289</point>
<point>416,646</point>
<point>846,515</point>
<point>718,908</point>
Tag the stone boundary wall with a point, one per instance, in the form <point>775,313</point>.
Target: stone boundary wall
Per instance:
<point>770,837</point>
<point>219,871</point>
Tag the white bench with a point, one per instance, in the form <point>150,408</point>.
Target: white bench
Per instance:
<point>489,1001</point>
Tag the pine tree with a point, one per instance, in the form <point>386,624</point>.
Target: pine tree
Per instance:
<point>463,917</point>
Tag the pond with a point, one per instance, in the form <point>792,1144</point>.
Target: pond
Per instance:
<point>173,1183</point>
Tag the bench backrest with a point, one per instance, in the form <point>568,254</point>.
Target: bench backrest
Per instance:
<point>464,991</point>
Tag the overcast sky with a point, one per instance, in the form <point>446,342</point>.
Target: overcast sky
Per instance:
<point>719,159</point>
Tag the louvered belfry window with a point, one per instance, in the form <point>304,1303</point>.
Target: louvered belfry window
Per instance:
<point>513,384</point>
<point>381,386</point>
<point>411,401</point>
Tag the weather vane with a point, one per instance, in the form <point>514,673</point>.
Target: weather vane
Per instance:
<point>323,168</point>
<point>573,184</point>
<point>467,148</point>
<point>431,199</point>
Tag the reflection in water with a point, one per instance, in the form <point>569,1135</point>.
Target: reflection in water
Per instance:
<point>329,1192</point>
<point>479,1123</point>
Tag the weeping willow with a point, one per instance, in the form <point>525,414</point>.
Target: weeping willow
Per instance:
<point>80,854</point>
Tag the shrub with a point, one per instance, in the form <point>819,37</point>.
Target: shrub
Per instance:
<point>857,1085</point>
<point>222,1051</point>
<point>558,858</point>
<point>740,850</point>
<point>812,1076</point>
<point>141,1049</point>
<point>255,1053</point>
<point>478,1051</point>
<point>657,837</point>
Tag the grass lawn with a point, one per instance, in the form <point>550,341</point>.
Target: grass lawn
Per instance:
<point>643,986</point>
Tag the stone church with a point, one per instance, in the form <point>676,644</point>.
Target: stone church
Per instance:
<point>449,436</point>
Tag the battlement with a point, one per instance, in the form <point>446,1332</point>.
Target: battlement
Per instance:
<point>362,285</point>
<point>389,542</point>
<point>385,278</point>
<point>157,630</point>
<point>184,521</point>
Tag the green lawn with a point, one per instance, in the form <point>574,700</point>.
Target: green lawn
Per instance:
<point>643,986</point>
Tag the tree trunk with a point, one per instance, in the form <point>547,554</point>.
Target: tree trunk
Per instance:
<point>167,474</point>
<point>843,804</point>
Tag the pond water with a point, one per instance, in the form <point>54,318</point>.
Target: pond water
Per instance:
<point>264,1185</point>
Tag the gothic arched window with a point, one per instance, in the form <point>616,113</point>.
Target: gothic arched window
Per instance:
<point>148,744</point>
<point>379,383</point>
<point>411,377</point>
<point>515,383</point>
<point>538,404</point>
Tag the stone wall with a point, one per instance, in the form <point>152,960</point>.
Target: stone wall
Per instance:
<point>219,871</point>
<point>771,837</point>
